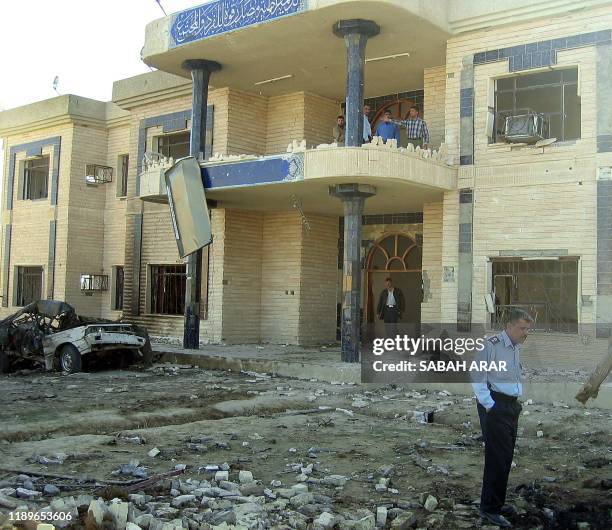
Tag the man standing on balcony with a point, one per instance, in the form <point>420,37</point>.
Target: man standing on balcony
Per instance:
<point>418,133</point>
<point>497,393</point>
<point>367,128</point>
<point>387,129</point>
<point>339,131</point>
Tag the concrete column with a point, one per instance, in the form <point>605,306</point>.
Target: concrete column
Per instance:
<point>353,197</point>
<point>356,33</point>
<point>200,76</point>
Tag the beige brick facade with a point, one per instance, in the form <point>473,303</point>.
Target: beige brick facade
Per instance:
<point>266,277</point>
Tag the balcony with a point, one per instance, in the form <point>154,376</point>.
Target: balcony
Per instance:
<point>405,178</point>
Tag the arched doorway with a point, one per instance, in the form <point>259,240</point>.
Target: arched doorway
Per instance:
<point>399,111</point>
<point>399,256</point>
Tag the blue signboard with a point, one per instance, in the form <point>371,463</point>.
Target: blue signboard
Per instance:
<point>266,170</point>
<point>227,15</point>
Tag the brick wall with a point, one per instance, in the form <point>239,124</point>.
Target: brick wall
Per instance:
<point>432,261</point>
<point>434,80</point>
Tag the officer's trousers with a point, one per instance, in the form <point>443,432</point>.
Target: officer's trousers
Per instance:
<point>499,427</point>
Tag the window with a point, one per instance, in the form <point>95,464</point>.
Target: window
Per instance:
<point>117,304</point>
<point>547,289</point>
<point>174,145</point>
<point>29,285</point>
<point>94,282</point>
<point>95,174</point>
<point>168,289</point>
<point>36,178</point>
<point>553,93</point>
<point>123,164</point>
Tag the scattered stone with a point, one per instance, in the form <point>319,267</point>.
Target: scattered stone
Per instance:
<point>118,511</point>
<point>223,516</point>
<point>404,521</point>
<point>380,488</point>
<point>154,452</point>
<point>381,516</point>
<point>132,526</point>
<point>24,493</point>
<point>334,480</point>
<point>95,514</point>
<point>301,499</point>
<point>137,498</point>
<point>50,489</point>
<point>221,475</point>
<point>540,434</point>
<point>245,477</point>
<point>325,521</point>
<point>276,483</point>
<point>548,513</point>
<point>181,500</point>
<point>431,503</point>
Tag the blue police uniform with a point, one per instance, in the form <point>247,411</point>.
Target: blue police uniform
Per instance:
<point>497,393</point>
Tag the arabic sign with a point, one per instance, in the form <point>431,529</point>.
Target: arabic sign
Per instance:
<point>226,15</point>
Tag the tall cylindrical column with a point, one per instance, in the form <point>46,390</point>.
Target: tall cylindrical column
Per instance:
<point>356,33</point>
<point>353,197</point>
<point>200,76</point>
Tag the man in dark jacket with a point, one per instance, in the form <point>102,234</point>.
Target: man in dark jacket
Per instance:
<point>391,305</point>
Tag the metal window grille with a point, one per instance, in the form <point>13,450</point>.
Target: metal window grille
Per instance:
<point>546,289</point>
<point>29,285</point>
<point>36,178</point>
<point>168,289</point>
<point>119,284</point>
<point>95,174</point>
<point>94,282</point>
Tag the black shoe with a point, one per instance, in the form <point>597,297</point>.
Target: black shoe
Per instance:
<point>509,509</point>
<point>496,519</point>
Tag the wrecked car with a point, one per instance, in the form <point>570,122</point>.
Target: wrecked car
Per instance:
<point>50,334</point>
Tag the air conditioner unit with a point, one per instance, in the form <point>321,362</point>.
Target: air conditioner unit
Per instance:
<point>526,128</point>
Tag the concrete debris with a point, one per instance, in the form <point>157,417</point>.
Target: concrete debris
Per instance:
<point>381,516</point>
<point>540,434</point>
<point>431,503</point>
<point>24,493</point>
<point>245,477</point>
<point>153,452</point>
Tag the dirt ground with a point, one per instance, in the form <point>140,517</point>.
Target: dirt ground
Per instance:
<point>273,427</point>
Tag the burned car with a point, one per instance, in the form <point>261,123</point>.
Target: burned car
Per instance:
<point>49,333</point>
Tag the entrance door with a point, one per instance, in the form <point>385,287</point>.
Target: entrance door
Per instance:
<point>399,257</point>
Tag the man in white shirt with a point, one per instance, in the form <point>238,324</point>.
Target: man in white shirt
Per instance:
<point>391,305</point>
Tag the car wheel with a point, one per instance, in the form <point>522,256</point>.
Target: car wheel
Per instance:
<point>5,362</point>
<point>70,359</point>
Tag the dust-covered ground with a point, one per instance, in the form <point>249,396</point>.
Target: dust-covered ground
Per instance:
<point>321,455</point>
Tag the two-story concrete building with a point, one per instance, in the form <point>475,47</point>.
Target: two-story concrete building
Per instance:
<point>477,223</point>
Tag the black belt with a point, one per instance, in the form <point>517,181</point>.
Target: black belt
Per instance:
<point>498,396</point>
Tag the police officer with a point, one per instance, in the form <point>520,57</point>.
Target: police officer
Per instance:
<point>497,391</point>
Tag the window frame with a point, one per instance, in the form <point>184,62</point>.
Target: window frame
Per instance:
<point>20,273</point>
<point>157,281</point>
<point>159,143</point>
<point>27,177</point>
<point>562,113</point>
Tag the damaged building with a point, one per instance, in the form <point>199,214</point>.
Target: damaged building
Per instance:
<point>507,207</point>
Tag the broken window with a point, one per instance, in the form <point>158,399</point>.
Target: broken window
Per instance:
<point>29,285</point>
<point>118,288</point>
<point>96,174</point>
<point>167,292</point>
<point>546,288</point>
<point>553,93</point>
<point>122,170</point>
<point>174,145</point>
<point>36,178</point>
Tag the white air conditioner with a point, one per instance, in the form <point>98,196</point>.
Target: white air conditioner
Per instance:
<point>526,128</point>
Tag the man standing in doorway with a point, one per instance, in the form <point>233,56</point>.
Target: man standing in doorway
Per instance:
<point>339,131</point>
<point>367,128</point>
<point>416,127</point>
<point>387,129</point>
<point>391,305</point>
<point>497,392</point>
